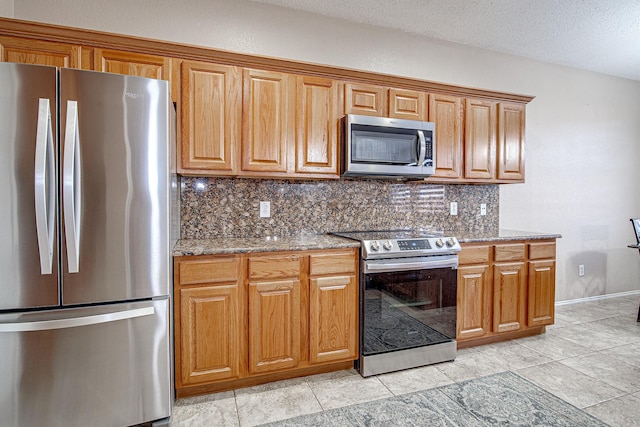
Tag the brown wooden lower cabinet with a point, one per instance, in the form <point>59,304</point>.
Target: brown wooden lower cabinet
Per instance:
<point>209,319</point>
<point>251,318</point>
<point>509,288</point>
<point>210,343</point>
<point>505,290</point>
<point>274,325</point>
<point>332,318</point>
<point>541,292</point>
<point>474,293</point>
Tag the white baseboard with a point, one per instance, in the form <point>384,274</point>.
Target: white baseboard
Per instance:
<point>597,297</point>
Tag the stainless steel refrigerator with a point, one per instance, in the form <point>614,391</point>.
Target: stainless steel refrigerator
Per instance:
<point>88,215</point>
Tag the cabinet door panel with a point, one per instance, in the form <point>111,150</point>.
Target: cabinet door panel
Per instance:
<point>266,124</point>
<point>132,64</point>
<point>210,336</point>
<point>368,100</point>
<point>542,279</point>
<point>274,267</point>
<point>332,319</point>
<point>509,297</point>
<point>317,125</point>
<point>25,51</point>
<point>446,112</point>
<point>208,270</point>
<point>475,254</point>
<point>509,252</point>
<point>211,116</point>
<point>407,104</point>
<point>511,141</point>
<point>333,263</point>
<point>480,139</point>
<point>274,325</point>
<point>474,301</point>
<point>542,250</point>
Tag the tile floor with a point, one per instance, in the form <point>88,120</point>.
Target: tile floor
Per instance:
<point>590,358</point>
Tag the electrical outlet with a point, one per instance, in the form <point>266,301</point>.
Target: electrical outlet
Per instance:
<point>454,208</point>
<point>483,209</point>
<point>265,209</point>
<point>581,270</point>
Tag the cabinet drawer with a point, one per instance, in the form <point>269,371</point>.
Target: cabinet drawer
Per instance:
<point>511,252</point>
<point>474,255</point>
<point>274,267</point>
<point>332,263</point>
<point>542,250</point>
<point>212,270</point>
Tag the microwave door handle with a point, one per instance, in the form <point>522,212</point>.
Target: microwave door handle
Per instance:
<point>423,148</point>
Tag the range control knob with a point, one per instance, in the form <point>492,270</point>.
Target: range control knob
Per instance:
<point>439,243</point>
<point>375,246</point>
<point>450,242</point>
<point>387,245</point>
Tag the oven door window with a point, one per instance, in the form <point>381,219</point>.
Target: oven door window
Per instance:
<point>408,309</point>
<point>384,147</point>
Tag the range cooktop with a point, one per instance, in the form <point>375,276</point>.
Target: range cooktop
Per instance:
<point>402,243</point>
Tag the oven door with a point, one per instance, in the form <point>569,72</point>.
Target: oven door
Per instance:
<point>408,303</point>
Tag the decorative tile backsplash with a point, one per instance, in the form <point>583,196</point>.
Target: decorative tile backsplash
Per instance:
<point>230,207</point>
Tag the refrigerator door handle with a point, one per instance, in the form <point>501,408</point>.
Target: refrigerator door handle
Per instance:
<point>72,187</point>
<point>45,325</point>
<point>45,186</point>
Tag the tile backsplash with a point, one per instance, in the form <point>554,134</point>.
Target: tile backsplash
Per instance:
<point>230,207</point>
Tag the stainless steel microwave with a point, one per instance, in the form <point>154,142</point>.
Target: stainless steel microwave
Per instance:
<point>391,148</point>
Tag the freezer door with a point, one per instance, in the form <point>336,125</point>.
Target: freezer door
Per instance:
<point>28,229</point>
<point>115,185</point>
<point>100,366</point>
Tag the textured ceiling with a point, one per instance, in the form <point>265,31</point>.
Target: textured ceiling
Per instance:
<point>596,35</point>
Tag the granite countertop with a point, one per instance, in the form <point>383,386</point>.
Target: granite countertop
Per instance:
<point>222,245</point>
<point>503,235</point>
<point>186,247</point>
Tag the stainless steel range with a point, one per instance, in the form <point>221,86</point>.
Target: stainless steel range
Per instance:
<point>408,292</point>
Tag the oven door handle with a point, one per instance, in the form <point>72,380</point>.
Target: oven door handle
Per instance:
<point>423,263</point>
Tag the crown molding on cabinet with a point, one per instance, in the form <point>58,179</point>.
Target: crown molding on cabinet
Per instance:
<point>99,39</point>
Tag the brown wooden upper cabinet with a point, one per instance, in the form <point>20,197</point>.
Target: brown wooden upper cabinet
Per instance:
<point>26,51</point>
<point>480,139</point>
<point>380,101</point>
<point>366,100</point>
<point>211,117</point>
<point>282,123</point>
<point>131,64</point>
<point>408,104</point>
<point>446,112</point>
<point>511,125</point>
<point>268,107</point>
<point>134,64</point>
<point>258,123</point>
<point>318,116</point>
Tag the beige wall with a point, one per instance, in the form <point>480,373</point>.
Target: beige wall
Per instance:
<point>6,8</point>
<point>583,132</point>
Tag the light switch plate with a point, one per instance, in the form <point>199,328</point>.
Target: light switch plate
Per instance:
<point>454,208</point>
<point>483,209</point>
